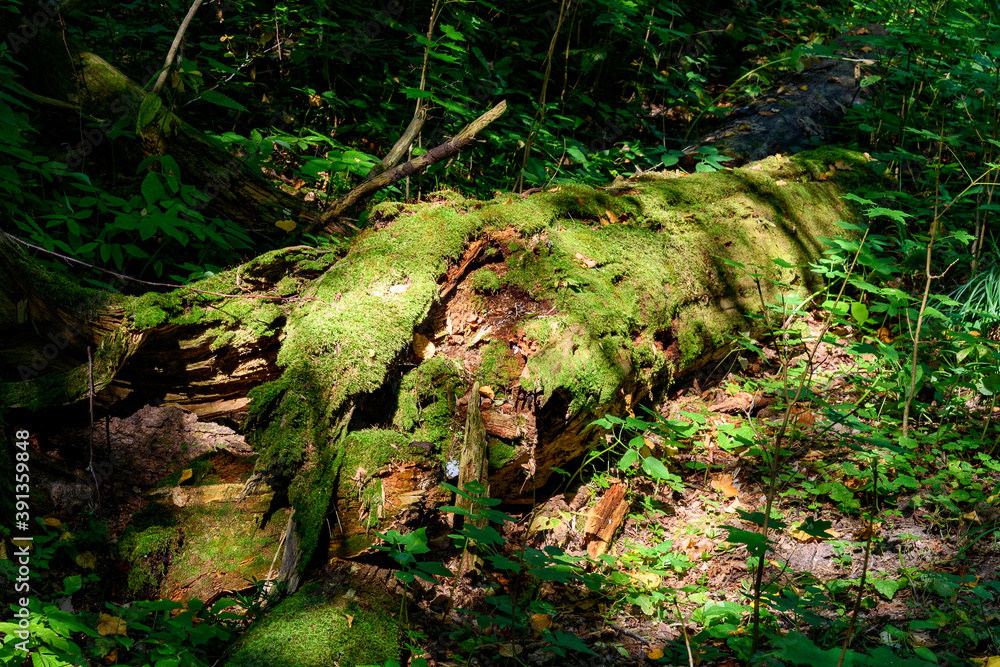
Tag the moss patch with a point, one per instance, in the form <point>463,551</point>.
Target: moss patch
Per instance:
<point>148,545</point>
<point>498,453</point>
<point>485,281</point>
<point>426,401</point>
<point>499,368</point>
<point>310,629</point>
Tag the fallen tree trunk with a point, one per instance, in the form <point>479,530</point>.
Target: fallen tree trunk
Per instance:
<point>565,305</point>
<point>804,110</point>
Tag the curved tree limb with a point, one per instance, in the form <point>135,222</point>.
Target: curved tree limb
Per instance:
<point>436,154</point>
<point>175,46</point>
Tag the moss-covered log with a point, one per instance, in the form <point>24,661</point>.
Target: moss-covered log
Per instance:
<point>567,304</point>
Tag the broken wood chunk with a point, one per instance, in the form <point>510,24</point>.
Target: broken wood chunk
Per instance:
<point>604,520</point>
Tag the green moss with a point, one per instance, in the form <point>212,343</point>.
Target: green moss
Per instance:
<point>498,453</point>
<point>610,287</point>
<point>310,629</point>
<point>372,449</point>
<point>426,401</point>
<point>220,537</point>
<point>147,545</point>
<point>485,281</point>
<point>500,368</point>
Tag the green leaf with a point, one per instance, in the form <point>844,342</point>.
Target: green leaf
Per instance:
<point>655,468</point>
<point>797,649</point>
<point>217,98</point>
<point>152,188</point>
<point>72,584</point>
<point>630,457</point>
<point>816,527</point>
<point>859,312</point>
<point>147,111</point>
<point>887,587</point>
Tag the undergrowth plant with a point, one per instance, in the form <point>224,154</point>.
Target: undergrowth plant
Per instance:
<point>68,625</point>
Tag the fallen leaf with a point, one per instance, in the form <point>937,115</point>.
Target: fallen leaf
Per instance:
<point>611,216</point>
<point>724,484</point>
<point>867,530</point>
<point>185,475</point>
<point>399,289</point>
<point>285,225</point>
<point>509,650</point>
<point>422,347</point>
<point>52,521</point>
<point>540,622</point>
<point>803,87</point>
<point>487,391</point>
<point>842,166</point>
<point>112,657</point>
<point>87,559</point>
<point>111,625</point>
<point>654,654</point>
<point>972,517</point>
<point>780,183</point>
<point>350,620</point>
<point>648,580</point>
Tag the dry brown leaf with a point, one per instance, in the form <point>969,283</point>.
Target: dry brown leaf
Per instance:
<point>867,530</point>
<point>540,622</point>
<point>724,485</point>
<point>422,347</point>
<point>111,625</point>
<point>509,650</point>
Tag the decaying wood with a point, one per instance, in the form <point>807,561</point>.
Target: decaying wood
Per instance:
<point>472,468</point>
<point>605,519</point>
<point>801,112</point>
<point>394,276</point>
<point>403,144</point>
<point>436,154</point>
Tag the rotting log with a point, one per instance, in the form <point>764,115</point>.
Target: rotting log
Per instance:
<point>570,304</point>
<point>804,109</point>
